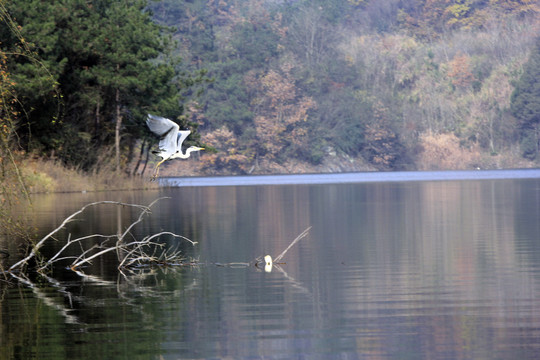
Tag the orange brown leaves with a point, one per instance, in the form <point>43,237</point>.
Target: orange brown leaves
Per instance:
<point>229,154</point>
<point>281,112</point>
<point>460,71</point>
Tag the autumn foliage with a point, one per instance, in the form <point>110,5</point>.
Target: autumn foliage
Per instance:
<point>281,114</point>
<point>460,71</point>
<point>228,155</point>
<point>445,152</point>
<point>308,85</point>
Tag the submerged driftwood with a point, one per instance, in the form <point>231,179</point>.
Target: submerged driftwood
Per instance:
<point>130,251</point>
<point>138,261</point>
<point>268,262</point>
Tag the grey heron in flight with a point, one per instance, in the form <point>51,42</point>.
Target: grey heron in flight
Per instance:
<point>171,139</point>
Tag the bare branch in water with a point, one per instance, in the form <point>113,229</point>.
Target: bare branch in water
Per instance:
<point>302,235</point>
<point>269,262</point>
<point>65,222</point>
<point>129,253</point>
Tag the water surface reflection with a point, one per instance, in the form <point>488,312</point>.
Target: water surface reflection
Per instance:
<point>420,270</point>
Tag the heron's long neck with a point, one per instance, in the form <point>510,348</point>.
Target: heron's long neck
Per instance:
<point>180,155</point>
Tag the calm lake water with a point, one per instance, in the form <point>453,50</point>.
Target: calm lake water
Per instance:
<point>389,270</point>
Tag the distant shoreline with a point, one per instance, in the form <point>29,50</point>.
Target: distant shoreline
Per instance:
<point>356,177</point>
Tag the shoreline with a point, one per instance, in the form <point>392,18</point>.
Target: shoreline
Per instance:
<point>48,176</point>
<point>350,177</point>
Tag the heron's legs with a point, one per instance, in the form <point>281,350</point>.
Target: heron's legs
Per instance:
<point>156,170</point>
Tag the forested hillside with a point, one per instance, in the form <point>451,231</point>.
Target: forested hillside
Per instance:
<point>352,84</point>
<point>274,86</point>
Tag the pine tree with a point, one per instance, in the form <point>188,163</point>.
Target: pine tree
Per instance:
<point>110,62</point>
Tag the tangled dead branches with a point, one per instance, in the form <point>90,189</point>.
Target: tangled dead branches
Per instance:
<point>130,252</point>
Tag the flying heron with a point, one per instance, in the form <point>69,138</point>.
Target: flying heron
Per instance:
<point>171,139</point>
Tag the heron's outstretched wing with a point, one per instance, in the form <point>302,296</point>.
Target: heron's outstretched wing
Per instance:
<point>182,135</point>
<point>160,125</point>
<point>167,130</point>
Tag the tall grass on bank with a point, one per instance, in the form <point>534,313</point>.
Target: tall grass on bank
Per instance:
<point>51,176</point>
<point>13,193</point>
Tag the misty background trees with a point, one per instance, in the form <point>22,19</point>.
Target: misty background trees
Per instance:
<point>397,84</point>
<point>276,85</point>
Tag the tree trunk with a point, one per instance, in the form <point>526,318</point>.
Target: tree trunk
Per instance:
<point>117,130</point>
<point>97,120</point>
<point>146,161</point>
<point>139,160</point>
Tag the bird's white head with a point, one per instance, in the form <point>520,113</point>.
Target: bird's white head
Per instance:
<point>189,150</point>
